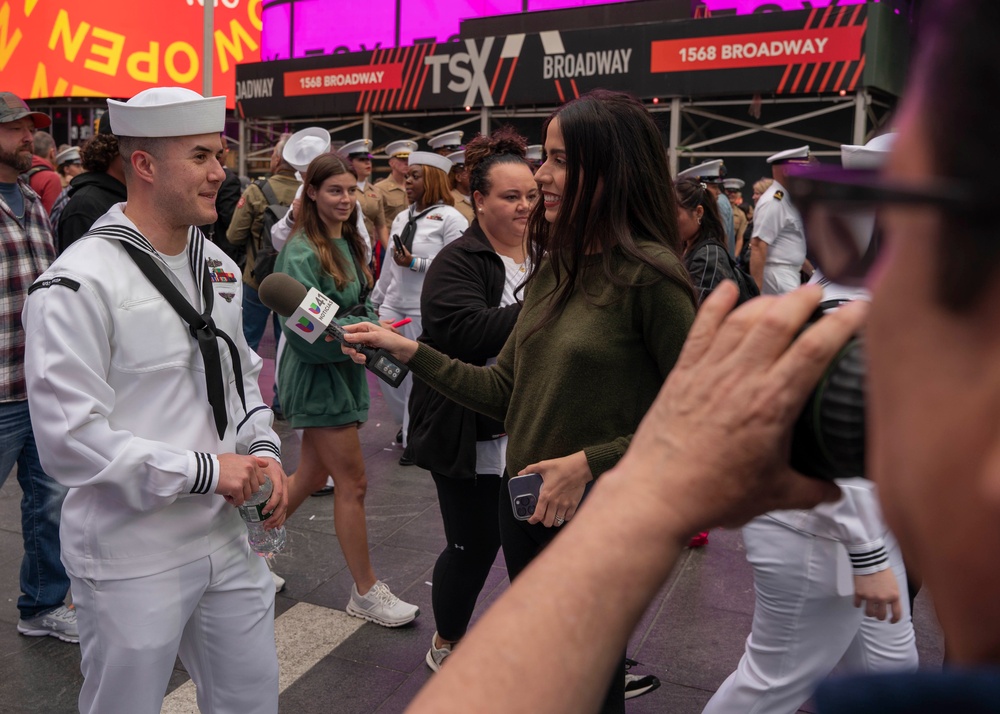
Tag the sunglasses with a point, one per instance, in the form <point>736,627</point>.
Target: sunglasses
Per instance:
<point>839,209</point>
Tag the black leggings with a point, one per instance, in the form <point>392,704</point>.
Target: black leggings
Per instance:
<point>469,512</point>
<point>522,541</point>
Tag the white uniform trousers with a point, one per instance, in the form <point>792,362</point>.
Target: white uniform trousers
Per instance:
<point>780,279</point>
<point>216,613</point>
<point>805,623</point>
<point>398,398</point>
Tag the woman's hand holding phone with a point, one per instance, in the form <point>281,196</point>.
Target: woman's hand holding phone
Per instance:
<point>565,480</point>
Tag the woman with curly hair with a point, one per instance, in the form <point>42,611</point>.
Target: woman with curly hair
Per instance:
<point>322,391</point>
<point>469,304</point>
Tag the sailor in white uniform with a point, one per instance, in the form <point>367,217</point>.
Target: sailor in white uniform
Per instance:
<point>830,582</point>
<point>144,402</point>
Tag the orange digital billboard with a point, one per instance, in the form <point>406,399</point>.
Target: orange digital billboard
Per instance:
<point>116,48</point>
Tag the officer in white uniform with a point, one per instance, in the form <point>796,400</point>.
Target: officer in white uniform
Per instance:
<point>127,332</point>
<point>712,173</point>
<point>810,567</point>
<point>778,244</point>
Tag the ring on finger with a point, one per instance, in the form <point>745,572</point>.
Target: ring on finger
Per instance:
<point>559,520</point>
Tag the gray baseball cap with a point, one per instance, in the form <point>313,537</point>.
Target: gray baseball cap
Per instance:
<point>12,108</point>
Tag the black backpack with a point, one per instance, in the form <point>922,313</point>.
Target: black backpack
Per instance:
<point>264,252</point>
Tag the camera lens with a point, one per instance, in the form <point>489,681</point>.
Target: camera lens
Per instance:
<point>521,511</point>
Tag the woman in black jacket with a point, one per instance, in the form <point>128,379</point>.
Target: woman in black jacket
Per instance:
<point>703,238</point>
<point>469,303</point>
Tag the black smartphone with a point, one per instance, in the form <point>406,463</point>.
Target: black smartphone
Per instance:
<point>398,243</point>
<point>524,495</point>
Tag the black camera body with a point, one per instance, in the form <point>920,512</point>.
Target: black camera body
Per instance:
<point>828,439</point>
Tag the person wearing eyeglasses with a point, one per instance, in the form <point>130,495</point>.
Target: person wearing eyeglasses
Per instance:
<point>778,243</point>
<point>933,355</point>
<point>830,583</point>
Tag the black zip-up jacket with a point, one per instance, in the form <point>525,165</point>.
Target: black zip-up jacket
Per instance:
<point>459,308</point>
<point>91,194</point>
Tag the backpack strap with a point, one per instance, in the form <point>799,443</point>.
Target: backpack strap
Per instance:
<point>265,188</point>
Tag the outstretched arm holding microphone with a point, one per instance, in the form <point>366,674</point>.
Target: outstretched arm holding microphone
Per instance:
<point>671,482</point>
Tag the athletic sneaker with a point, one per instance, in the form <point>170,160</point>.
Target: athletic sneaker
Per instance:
<point>380,606</point>
<point>60,623</point>
<point>638,684</point>
<point>279,582</point>
<point>436,655</point>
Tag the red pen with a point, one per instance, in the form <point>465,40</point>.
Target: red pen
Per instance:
<point>404,321</point>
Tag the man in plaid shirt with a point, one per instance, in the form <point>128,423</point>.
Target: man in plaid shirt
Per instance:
<point>26,249</point>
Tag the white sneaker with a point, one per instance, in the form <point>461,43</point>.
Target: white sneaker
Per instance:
<point>436,655</point>
<point>380,606</point>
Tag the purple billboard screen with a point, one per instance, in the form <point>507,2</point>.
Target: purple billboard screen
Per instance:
<point>300,28</point>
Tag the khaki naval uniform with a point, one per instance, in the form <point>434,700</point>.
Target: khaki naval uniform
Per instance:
<point>739,223</point>
<point>248,218</point>
<point>393,198</point>
<point>371,208</point>
<point>464,205</point>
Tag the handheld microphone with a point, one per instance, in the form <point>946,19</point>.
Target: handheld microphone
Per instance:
<point>310,314</point>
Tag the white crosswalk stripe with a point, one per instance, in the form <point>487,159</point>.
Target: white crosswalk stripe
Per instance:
<point>304,634</point>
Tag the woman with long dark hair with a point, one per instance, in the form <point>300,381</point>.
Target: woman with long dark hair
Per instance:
<point>607,307</point>
<point>322,391</point>
<point>469,304</point>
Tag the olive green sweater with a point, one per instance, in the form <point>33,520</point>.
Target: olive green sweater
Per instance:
<point>584,381</point>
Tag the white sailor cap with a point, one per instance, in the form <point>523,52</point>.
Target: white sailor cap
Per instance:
<point>400,149</point>
<point>710,172</point>
<point>167,111</point>
<point>799,154</point>
<point>305,145</point>
<point>533,152</point>
<point>428,158</point>
<point>68,156</point>
<point>733,184</point>
<point>457,157</point>
<point>352,148</point>
<point>871,156</point>
<point>448,140</point>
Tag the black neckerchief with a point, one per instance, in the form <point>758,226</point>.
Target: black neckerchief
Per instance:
<point>201,326</point>
<point>411,225</point>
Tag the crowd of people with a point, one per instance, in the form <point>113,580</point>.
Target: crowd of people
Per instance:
<point>651,319</point>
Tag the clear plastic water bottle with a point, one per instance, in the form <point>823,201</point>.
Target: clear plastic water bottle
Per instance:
<point>264,543</point>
